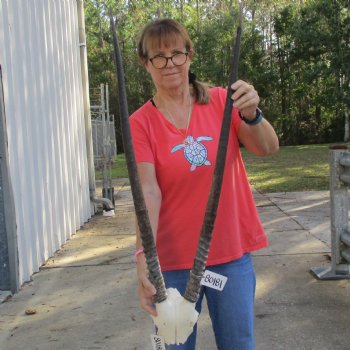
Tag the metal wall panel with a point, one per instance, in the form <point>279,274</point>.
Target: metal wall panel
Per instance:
<point>39,54</point>
<point>8,230</point>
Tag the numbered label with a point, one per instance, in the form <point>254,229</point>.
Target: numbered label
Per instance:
<point>213,280</point>
<point>157,342</point>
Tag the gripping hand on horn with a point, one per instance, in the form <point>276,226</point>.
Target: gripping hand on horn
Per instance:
<point>245,98</point>
<point>174,317</point>
<point>146,290</point>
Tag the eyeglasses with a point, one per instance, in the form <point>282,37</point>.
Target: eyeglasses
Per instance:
<point>160,62</point>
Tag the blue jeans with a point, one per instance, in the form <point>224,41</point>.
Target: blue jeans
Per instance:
<point>231,310</point>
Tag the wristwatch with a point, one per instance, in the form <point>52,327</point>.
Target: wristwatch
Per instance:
<point>258,117</point>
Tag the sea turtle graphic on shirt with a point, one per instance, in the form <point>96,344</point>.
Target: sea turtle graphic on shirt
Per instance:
<point>194,151</point>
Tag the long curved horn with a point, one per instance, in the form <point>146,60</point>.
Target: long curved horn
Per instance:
<point>146,233</point>
<point>193,285</point>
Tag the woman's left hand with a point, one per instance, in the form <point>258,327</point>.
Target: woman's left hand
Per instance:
<point>259,139</point>
<point>245,98</point>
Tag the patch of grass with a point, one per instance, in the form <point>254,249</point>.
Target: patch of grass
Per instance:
<point>119,168</point>
<point>291,169</point>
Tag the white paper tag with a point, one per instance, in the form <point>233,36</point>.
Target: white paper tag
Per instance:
<point>213,280</point>
<point>157,342</point>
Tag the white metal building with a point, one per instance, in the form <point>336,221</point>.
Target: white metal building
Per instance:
<point>46,177</point>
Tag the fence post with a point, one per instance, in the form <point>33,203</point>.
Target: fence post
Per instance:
<point>339,180</point>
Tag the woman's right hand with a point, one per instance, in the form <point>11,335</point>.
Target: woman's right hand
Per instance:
<point>146,289</point>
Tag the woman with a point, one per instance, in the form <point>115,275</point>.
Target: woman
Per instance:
<point>175,137</point>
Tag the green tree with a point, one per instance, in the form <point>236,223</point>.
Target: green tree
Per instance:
<point>296,54</point>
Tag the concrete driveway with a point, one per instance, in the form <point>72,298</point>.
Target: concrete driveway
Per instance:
<point>85,296</point>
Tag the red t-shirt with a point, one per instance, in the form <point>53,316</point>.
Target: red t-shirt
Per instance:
<point>184,174</point>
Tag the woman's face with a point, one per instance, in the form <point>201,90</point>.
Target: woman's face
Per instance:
<point>172,76</point>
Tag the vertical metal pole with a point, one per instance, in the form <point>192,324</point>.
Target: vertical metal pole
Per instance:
<point>86,100</point>
<point>339,207</point>
<point>109,142</point>
<point>104,133</point>
<point>87,113</point>
<point>107,190</point>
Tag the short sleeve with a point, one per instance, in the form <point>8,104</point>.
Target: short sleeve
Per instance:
<point>141,140</point>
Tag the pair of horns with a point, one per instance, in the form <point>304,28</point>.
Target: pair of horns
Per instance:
<point>193,286</point>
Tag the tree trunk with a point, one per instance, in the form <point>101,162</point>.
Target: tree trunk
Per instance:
<point>282,78</point>
<point>347,125</point>
<point>198,17</point>
<point>318,114</point>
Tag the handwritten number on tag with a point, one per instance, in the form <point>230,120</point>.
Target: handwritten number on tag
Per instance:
<point>157,342</point>
<point>213,280</point>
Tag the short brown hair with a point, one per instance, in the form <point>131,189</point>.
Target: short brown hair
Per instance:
<point>162,31</point>
<point>166,31</point>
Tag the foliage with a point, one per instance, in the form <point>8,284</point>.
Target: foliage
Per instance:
<point>296,54</point>
<point>292,169</point>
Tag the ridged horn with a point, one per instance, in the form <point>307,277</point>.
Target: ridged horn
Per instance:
<point>197,271</point>
<point>141,212</point>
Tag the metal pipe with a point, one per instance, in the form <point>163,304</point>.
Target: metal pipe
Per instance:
<point>107,203</point>
<point>87,114</point>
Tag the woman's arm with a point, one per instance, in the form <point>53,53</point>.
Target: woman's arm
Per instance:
<point>260,139</point>
<point>153,198</point>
